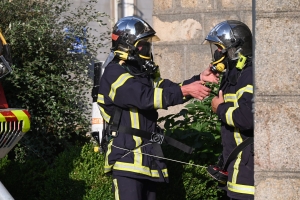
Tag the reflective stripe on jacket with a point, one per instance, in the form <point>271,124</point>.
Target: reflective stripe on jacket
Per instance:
<point>237,125</point>
<point>139,98</point>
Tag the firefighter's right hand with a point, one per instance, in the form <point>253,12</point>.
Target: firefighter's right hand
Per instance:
<point>216,101</point>
<point>196,90</point>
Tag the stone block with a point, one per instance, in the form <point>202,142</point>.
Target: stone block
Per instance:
<point>236,4</point>
<point>197,59</point>
<point>164,5</point>
<point>287,188</point>
<point>183,30</point>
<point>277,6</point>
<point>197,4</point>
<point>277,128</point>
<point>170,60</point>
<point>188,3</point>
<point>277,56</point>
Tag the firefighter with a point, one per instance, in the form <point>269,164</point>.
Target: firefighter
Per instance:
<point>130,93</point>
<point>231,45</point>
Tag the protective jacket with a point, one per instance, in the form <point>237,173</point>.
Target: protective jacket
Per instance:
<point>139,97</point>
<point>237,125</point>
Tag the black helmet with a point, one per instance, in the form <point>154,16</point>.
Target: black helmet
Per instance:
<point>128,31</point>
<point>233,37</point>
<point>132,40</point>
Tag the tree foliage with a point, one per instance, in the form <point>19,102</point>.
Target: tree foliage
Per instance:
<point>49,80</point>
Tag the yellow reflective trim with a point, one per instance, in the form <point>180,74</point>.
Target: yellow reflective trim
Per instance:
<point>118,83</point>
<point>21,116</point>
<point>230,98</point>
<point>238,139</point>
<point>107,167</point>
<point>158,98</point>
<point>134,118</point>
<point>104,115</point>
<point>236,167</point>
<point>234,99</point>
<point>237,136</point>
<point>228,115</point>
<point>239,188</point>
<point>136,166</point>
<point>241,91</point>
<point>165,172</point>
<point>157,81</point>
<point>138,169</point>
<point>100,99</point>
<point>138,157</point>
<point>117,196</point>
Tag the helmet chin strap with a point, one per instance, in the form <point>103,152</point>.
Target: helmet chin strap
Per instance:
<point>218,61</point>
<point>218,66</point>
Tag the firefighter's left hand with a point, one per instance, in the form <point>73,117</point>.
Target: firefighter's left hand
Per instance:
<point>208,76</point>
<point>216,101</point>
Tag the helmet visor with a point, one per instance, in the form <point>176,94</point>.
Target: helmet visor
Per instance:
<point>216,52</point>
<point>144,47</point>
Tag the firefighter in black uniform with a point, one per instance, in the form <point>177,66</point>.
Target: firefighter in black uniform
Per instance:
<point>131,83</point>
<point>231,45</point>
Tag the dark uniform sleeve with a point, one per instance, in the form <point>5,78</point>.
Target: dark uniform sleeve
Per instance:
<point>191,80</point>
<point>236,111</point>
<point>127,91</point>
<point>165,83</point>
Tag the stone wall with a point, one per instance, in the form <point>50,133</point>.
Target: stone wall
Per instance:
<point>182,26</point>
<point>277,100</point>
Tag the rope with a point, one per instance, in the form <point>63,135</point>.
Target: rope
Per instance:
<point>132,151</point>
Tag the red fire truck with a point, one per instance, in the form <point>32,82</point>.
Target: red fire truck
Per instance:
<point>14,122</point>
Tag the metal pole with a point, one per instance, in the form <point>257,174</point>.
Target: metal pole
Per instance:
<point>4,194</point>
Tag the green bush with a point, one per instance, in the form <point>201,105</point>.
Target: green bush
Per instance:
<point>48,80</point>
<point>197,126</point>
<point>77,173</point>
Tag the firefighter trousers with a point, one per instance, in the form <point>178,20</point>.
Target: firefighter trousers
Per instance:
<point>125,188</point>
